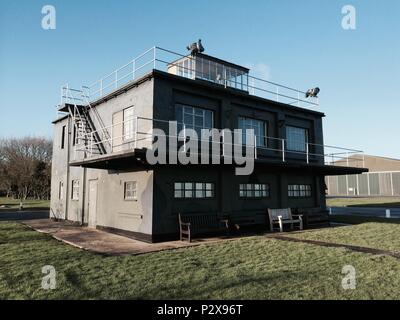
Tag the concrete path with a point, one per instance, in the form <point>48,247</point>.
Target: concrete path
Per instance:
<point>23,215</point>
<point>364,211</point>
<point>103,242</point>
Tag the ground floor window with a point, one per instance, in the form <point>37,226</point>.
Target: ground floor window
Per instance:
<point>130,190</point>
<point>254,190</point>
<point>61,190</point>
<point>299,190</point>
<point>197,190</point>
<point>75,189</point>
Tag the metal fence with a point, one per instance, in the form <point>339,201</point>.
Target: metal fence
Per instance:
<point>168,61</point>
<point>366,184</point>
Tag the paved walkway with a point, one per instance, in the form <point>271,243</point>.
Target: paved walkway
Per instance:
<point>106,243</point>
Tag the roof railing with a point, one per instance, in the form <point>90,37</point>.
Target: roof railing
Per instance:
<point>157,58</point>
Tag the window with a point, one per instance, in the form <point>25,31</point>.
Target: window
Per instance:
<point>193,118</point>
<point>297,138</point>
<point>128,123</point>
<point>299,190</point>
<point>63,137</point>
<point>130,192</point>
<point>74,136</point>
<point>75,189</point>
<point>258,126</point>
<point>185,68</point>
<point>254,190</point>
<point>61,190</point>
<point>198,190</point>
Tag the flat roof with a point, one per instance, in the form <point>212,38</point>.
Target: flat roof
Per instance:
<point>234,91</point>
<point>60,119</point>
<point>151,74</point>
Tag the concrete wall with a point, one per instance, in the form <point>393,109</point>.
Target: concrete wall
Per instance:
<point>113,211</point>
<point>228,105</point>
<point>59,171</point>
<point>111,109</point>
<point>227,200</point>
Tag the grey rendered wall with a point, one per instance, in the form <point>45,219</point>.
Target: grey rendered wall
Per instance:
<point>140,98</point>
<point>58,203</point>
<point>112,210</point>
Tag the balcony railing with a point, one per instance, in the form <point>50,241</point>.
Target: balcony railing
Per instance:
<point>141,134</point>
<point>165,60</point>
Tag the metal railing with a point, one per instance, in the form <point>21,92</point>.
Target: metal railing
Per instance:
<point>157,58</point>
<point>141,135</point>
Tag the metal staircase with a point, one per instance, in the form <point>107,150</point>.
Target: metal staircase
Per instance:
<point>87,139</point>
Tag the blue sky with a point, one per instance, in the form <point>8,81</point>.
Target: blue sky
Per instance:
<point>297,43</point>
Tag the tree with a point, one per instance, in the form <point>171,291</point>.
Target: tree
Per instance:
<point>25,167</point>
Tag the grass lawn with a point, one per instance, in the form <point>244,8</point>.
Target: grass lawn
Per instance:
<point>13,204</point>
<point>364,202</point>
<point>376,235</point>
<point>248,268</point>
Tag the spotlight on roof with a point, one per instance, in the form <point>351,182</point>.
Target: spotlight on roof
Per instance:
<point>312,93</point>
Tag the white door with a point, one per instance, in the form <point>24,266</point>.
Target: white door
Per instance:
<point>92,203</point>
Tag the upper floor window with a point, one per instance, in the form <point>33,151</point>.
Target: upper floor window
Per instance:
<point>193,118</point>
<point>185,68</point>
<point>75,189</point>
<point>128,118</point>
<point>130,190</point>
<point>254,190</point>
<point>297,139</point>
<point>190,190</point>
<point>259,127</point>
<point>299,190</point>
<point>63,137</point>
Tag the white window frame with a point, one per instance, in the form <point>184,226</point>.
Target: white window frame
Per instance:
<point>75,185</point>
<point>194,190</point>
<point>128,123</point>
<point>299,191</point>
<point>254,190</point>
<point>130,190</point>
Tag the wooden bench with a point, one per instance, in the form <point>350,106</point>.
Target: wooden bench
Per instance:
<point>192,224</point>
<point>281,217</point>
<point>315,217</point>
<point>239,222</point>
